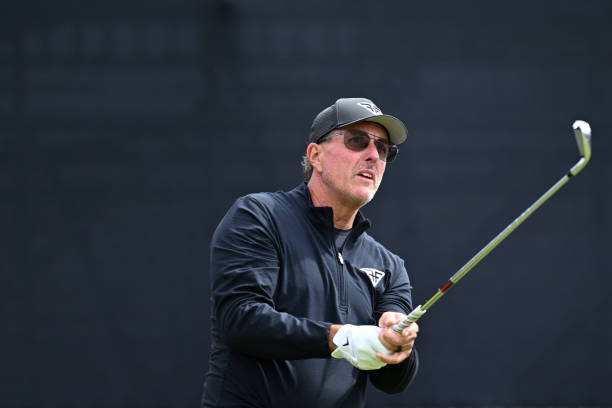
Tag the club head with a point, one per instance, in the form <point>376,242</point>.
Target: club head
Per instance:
<point>582,131</point>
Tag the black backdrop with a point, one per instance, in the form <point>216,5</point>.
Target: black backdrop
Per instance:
<point>128,129</point>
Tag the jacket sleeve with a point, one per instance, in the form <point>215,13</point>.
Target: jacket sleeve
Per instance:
<point>397,296</point>
<point>394,378</point>
<point>245,261</point>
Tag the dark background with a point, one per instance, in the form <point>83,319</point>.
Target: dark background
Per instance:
<point>128,129</point>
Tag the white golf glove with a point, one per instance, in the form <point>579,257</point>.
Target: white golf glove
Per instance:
<point>358,345</point>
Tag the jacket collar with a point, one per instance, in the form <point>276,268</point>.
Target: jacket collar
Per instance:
<point>324,216</point>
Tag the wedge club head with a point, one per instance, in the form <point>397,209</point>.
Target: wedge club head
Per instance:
<point>582,131</point>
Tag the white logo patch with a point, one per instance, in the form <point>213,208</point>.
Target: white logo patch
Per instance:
<point>371,107</point>
<point>374,274</point>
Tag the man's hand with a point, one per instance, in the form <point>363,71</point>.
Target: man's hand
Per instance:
<point>360,346</point>
<point>401,344</point>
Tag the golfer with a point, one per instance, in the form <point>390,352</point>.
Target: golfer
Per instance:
<point>303,298</point>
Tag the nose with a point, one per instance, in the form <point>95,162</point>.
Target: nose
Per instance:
<point>372,152</point>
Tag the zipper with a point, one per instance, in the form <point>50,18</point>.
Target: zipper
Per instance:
<point>341,275</point>
<point>341,280</point>
<point>342,283</point>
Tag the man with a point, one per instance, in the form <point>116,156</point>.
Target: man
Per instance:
<point>296,280</point>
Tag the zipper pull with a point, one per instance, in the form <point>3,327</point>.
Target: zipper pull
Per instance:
<point>340,258</point>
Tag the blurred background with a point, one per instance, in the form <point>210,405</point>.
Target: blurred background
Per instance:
<point>129,128</point>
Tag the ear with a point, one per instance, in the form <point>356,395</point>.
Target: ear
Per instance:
<point>313,151</point>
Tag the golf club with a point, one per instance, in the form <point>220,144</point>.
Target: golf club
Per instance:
<point>582,132</point>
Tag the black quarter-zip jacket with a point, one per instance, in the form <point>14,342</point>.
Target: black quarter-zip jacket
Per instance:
<point>278,284</point>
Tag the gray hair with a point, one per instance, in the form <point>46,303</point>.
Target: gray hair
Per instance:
<point>306,168</point>
<point>306,164</point>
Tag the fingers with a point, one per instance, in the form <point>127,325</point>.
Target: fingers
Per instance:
<point>401,344</point>
<point>410,329</point>
<point>394,358</point>
<point>402,352</point>
<point>389,319</point>
<point>391,340</point>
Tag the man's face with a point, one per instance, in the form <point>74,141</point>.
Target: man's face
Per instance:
<point>352,177</point>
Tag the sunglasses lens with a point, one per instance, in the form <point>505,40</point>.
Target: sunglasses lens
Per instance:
<point>383,150</point>
<point>392,154</point>
<point>358,140</point>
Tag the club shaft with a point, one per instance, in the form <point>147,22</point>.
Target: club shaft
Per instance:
<point>491,245</point>
<point>507,231</point>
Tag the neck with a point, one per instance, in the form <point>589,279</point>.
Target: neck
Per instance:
<point>344,213</point>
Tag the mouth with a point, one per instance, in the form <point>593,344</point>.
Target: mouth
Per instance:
<point>366,174</point>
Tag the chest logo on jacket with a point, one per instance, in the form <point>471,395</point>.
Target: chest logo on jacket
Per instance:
<point>374,274</point>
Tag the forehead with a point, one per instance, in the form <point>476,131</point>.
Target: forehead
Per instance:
<point>371,128</point>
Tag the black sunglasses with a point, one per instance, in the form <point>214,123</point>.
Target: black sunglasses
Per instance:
<point>358,140</point>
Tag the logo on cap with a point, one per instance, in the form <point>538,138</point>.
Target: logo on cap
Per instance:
<point>371,107</point>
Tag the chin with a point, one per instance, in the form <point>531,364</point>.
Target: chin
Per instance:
<point>364,197</point>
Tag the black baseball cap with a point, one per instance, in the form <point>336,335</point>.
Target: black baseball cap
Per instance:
<point>347,111</point>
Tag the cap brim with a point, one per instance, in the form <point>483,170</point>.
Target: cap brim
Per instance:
<point>395,127</point>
